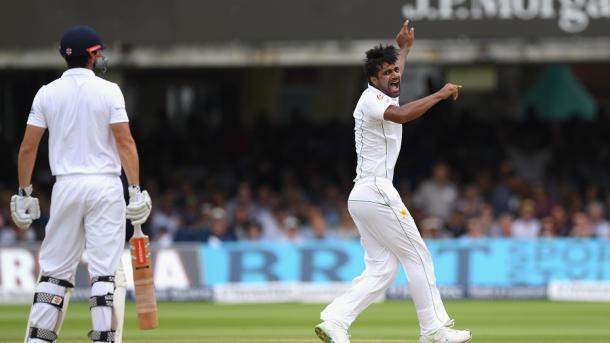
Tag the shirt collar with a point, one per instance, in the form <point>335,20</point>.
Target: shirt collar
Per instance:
<point>78,72</point>
<point>376,90</point>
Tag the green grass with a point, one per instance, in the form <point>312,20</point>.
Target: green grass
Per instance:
<point>392,321</point>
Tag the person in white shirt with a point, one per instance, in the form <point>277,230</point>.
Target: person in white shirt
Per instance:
<point>527,225</point>
<point>601,227</point>
<point>89,141</point>
<point>388,232</point>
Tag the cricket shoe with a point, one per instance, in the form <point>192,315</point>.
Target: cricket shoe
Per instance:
<point>447,334</point>
<point>329,332</point>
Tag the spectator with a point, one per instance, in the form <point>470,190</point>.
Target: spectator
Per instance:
<point>581,227</point>
<point>548,228</point>
<point>318,229</point>
<point>346,230</point>
<point>240,221</point>
<point>437,196</point>
<point>599,225</point>
<point>253,232</point>
<point>165,215</point>
<point>457,224</point>
<point>487,217</point>
<point>504,226</point>
<point>560,220</point>
<point>219,232</point>
<point>431,228</point>
<point>526,226</point>
<point>470,204</point>
<point>474,229</point>
<point>291,230</point>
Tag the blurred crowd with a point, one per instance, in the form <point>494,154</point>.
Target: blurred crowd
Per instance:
<point>461,175</point>
<point>500,204</point>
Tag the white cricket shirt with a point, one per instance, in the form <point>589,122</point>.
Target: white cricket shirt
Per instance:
<point>377,140</point>
<point>78,109</point>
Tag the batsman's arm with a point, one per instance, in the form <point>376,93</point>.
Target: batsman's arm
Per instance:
<point>414,109</point>
<point>128,152</point>
<point>27,154</point>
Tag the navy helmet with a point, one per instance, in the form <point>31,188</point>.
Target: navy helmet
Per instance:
<point>80,41</point>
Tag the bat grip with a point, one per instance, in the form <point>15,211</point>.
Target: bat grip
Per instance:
<point>137,230</point>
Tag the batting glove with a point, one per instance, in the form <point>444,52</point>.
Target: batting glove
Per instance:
<point>139,206</point>
<point>24,208</point>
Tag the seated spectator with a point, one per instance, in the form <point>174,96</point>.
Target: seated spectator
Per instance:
<point>560,220</point>
<point>253,232</point>
<point>218,231</point>
<point>548,228</point>
<point>163,239</point>
<point>526,226</point>
<point>581,227</point>
<point>291,231</point>
<point>318,229</point>
<point>503,227</point>
<point>165,215</point>
<point>600,226</point>
<point>346,230</point>
<point>437,196</point>
<point>470,203</point>
<point>474,229</point>
<point>457,224</point>
<point>431,228</point>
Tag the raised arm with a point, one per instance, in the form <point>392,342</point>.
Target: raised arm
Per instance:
<point>404,39</point>
<point>414,109</point>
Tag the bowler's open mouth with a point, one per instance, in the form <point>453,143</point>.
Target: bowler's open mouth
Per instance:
<point>395,87</point>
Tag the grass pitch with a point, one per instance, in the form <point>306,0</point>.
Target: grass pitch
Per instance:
<point>388,322</point>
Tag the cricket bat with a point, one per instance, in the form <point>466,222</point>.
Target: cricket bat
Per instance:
<point>146,300</point>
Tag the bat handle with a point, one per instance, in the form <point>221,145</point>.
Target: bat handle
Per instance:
<point>137,230</point>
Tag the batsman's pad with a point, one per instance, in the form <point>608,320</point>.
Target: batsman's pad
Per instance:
<point>101,336</point>
<point>55,294</point>
<point>44,334</point>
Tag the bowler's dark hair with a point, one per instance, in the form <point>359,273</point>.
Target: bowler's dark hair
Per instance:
<point>376,57</point>
<point>77,61</point>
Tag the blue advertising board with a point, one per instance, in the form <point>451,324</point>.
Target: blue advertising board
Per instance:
<point>461,262</point>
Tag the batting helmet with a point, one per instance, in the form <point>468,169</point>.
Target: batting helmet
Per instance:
<point>80,41</point>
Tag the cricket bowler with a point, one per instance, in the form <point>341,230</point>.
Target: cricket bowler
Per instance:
<point>388,233</point>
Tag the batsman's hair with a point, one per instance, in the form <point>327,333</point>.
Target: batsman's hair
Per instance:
<point>376,57</point>
<point>77,61</point>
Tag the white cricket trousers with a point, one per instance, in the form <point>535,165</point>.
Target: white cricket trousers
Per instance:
<point>87,213</point>
<point>389,237</point>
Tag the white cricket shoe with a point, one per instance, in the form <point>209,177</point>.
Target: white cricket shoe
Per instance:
<point>329,332</point>
<point>447,335</point>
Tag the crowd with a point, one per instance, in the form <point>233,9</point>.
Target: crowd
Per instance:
<point>500,204</point>
<point>459,174</point>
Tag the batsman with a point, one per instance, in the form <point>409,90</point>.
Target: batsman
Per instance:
<point>89,141</point>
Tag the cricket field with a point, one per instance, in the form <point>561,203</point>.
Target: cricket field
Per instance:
<point>391,321</point>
